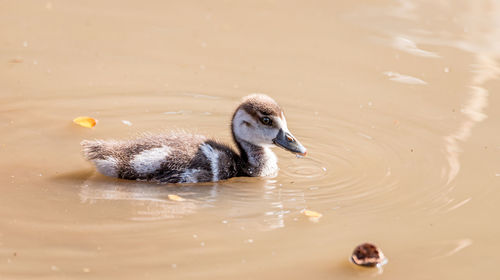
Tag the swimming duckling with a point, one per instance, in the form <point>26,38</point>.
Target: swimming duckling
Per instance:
<point>257,125</point>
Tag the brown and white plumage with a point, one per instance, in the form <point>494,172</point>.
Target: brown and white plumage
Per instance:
<point>257,125</point>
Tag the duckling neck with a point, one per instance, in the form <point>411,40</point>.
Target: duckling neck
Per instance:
<point>257,160</point>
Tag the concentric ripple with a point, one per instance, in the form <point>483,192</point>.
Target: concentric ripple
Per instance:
<point>354,164</point>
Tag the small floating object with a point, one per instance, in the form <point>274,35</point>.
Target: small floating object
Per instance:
<point>301,155</point>
<point>311,214</point>
<point>368,255</point>
<point>125,122</point>
<point>87,122</point>
<point>16,60</point>
<point>175,197</point>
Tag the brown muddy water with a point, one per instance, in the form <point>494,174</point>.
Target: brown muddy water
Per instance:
<point>396,102</point>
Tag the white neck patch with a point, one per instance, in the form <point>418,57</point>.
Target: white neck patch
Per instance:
<point>213,156</point>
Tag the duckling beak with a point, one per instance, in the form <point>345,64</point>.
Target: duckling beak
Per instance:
<point>287,141</point>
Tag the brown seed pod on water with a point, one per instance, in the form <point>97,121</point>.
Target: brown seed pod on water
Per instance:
<point>368,255</point>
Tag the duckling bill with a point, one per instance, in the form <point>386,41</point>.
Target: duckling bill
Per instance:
<point>258,124</point>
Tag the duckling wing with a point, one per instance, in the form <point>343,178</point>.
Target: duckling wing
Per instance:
<point>167,158</point>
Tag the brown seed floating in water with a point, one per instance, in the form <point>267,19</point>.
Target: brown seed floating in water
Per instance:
<point>368,254</point>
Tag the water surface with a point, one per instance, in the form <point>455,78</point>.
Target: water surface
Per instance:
<point>395,101</point>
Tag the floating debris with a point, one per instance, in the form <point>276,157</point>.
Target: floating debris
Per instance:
<point>87,122</point>
<point>16,60</point>
<point>368,255</point>
<point>311,214</point>
<point>125,122</point>
<point>175,197</point>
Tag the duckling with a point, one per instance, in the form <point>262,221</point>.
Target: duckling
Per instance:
<point>258,124</point>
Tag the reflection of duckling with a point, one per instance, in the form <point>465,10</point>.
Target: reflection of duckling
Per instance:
<point>257,124</point>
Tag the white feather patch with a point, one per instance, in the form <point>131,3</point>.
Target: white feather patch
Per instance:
<point>240,129</point>
<point>190,176</point>
<point>213,156</point>
<point>149,161</point>
<point>107,166</point>
<point>257,134</point>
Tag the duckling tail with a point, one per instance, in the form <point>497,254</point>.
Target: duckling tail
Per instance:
<point>98,152</point>
<point>93,150</point>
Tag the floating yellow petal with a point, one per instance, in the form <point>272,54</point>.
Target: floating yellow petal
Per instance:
<point>175,197</point>
<point>87,122</point>
<point>311,214</point>
<point>16,60</point>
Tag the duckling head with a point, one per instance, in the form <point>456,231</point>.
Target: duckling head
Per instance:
<point>260,121</point>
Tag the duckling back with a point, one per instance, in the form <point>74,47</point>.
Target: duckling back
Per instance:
<point>165,158</point>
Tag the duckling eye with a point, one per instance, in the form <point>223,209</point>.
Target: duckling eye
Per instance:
<point>266,121</point>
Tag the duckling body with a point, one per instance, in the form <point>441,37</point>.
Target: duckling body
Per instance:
<point>257,125</point>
